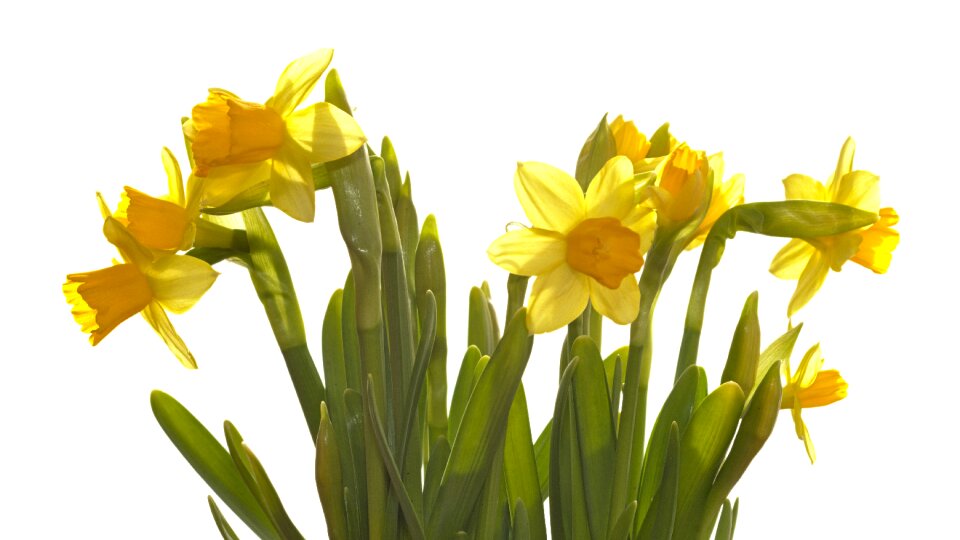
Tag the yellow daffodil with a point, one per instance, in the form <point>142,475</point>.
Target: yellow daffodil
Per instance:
<point>809,261</point>
<point>682,182</point>
<point>239,145</point>
<point>148,282</point>
<point>725,196</point>
<point>810,387</point>
<point>166,223</point>
<point>581,247</point>
<point>634,145</point>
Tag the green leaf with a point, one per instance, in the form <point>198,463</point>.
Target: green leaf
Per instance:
<point>520,467</point>
<point>439,455</point>
<point>431,276</point>
<point>724,528</point>
<point>225,530</point>
<point>597,150</point>
<point>462,390</point>
<point>595,433</point>
<point>541,451</point>
<point>521,522</point>
<point>419,375</point>
<point>480,331</point>
<point>392,167</point>
<point>330,485</point>
<point>481,431</point>
<point>677,409</point>
<point>559,477</point>
<point>702,449</point>
<point>660,142</point>
<point>211,461</point>
<point>659,523</point>
<point>624,524</point>
<point>356,443</point>
<point>744,354</point>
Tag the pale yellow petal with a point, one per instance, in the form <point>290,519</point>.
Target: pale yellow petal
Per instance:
<point>528,252</point>
<point>291,183</point>
<point>845,162</point>
<point>298,79</point>
<point>324,132</point>
<point>174,177</point>
<point>558,297</point>
<point>790,261</point>
<point>226,182</point>
<point>620,305</point>
<point>130,250</point>
<point>878,242</point>
<point>809,367</point>
<point>802,187</point>
<point>643,221</point>
<point>860,189</point>
<point>611,192</point>
<point>178,281</point>
<point>158,319</point>
<point>551,198</point>
<point>804,434</point>
<point>809,283</point>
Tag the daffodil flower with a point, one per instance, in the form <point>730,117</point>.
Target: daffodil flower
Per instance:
<point>809,261</point>
<point>239,145</point>
<point>810,387</point>
<point>167,223</point>
<point>634,145</point>
<point>581,247</point>
<point>681,186</point>
<point>725,196</point>
<point>147,282</point>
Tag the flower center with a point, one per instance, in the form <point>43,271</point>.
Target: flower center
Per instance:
<point>605,250</point>
<point>228,131</point>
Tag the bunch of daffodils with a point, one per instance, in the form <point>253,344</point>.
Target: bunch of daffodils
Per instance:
<point>400,454</point>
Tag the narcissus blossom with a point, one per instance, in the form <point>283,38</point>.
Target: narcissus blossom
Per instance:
<point>239,145</point>
<point>810,260</point>
<point>147,282</point>
<point>810,387</point>
<point>725,196</point>
<point>581,247</point>
<point>635,146</point>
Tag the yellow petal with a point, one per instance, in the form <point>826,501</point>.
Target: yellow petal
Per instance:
<point>226,182</point>
<point>156,223</point>
<point>725,196</point>
<point>291,183</point>
<point>178,281</point>
<point>324,132</point>
<point>845,162</point>
<point>298,79</point>
<point>828,387</point>
<point>158,319</point>
<point>809,367</point>
<point>620,305</point>
<point>878,242</point>
<point>810,281</point>
<point>643,221</point>
<point>551,198</point>
<point>558,297</point>
<point>610,193</point>
<point>174,177</point>
<point>105,298</point>
<point>791,260</point>
<point>528,252</point>
<point>860,189</point>
<point>804,434</point>
<point>130,250</point>
<point>802,187</point>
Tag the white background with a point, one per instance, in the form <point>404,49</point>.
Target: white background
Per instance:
<point>91,92</point>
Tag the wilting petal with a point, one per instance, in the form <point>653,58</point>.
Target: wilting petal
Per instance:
<point>860,189</point>
<point>291,184</point>
<point>226,182</point>
<point>791,260</point>
<point>620,305</point>
<point>551,198</point>
<point>174,177</point>
<point>158,319</point>
<point>178,281</point>
<point>802,187</point>
<point>324,132</point>
<point>298,79</point>
<point>610,193</point>
<point>558,297</point>
<point>810,282</point>
<point>528,252</point>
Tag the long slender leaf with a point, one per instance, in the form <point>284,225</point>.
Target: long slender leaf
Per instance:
<point>623,525</point>
<point>724,528</point>
<point>329,478</point>
<point>439,455</point>
<point>744,355</point>
<point>659,523</point>
<point>521,522</point>
<point>520,467</point>
<point>211,461</point>
<point>558,528</point>
<point>226,531</point>
<point>462,389</point>
<point>431,276</point>
<point>273,505</point>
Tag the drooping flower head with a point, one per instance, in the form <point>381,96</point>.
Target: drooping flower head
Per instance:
<point>239,145</point>
<point>725,196</point>
<point>167,223</point>
<point>581,247</point>
<point>147,282</point>
<point>810,260</point>
<point>810,387</point>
